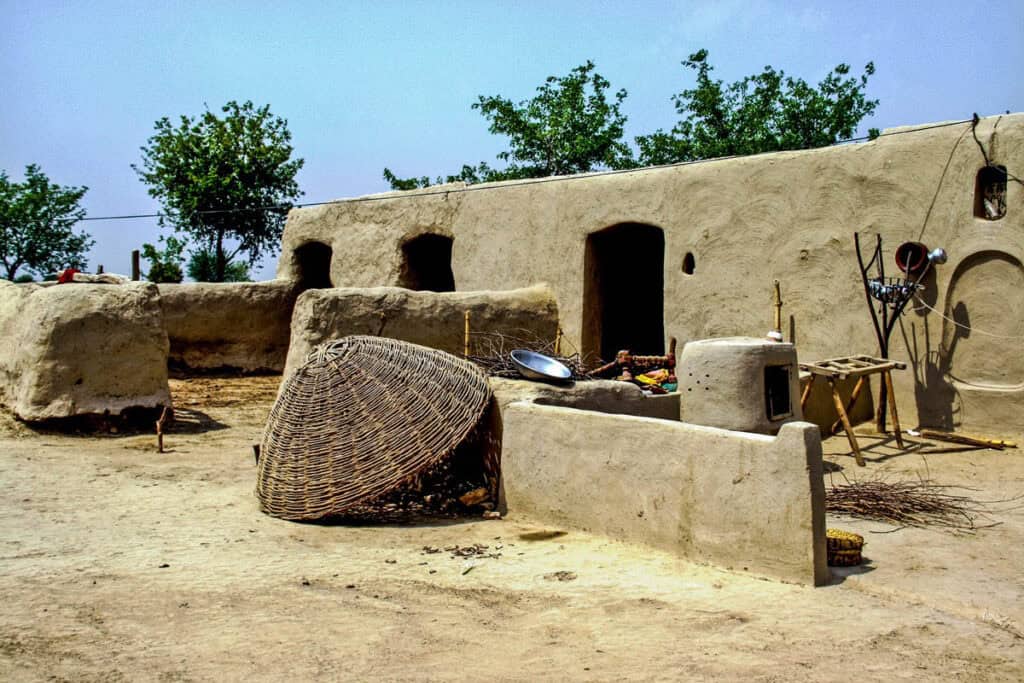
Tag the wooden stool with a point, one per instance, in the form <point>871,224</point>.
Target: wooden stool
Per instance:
<point>860,367</point>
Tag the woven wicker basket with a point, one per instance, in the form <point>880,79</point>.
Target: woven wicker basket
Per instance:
<point>362,418</point>
<point>844,548</point>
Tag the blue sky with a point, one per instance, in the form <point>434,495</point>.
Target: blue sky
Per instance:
<point>367,85</point>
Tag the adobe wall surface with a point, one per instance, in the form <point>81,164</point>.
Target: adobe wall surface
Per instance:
<point>431,319</point>
<point>237,325</point>
<point>747,502</point>
<point>80,348</point>
<point>745,222</point>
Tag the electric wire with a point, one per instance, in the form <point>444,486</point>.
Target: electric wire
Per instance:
<point>962,326</point>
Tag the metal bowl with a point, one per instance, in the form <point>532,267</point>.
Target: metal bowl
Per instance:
<point>533,365</point>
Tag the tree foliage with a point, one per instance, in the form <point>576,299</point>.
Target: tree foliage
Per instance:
<point>225,182</point>
<point>165,264</point>
<point>36,221</point>
<point>570,126</point>
<point>765,112</point>
<point>203,262</point>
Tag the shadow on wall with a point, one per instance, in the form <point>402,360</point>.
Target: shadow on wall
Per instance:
<point>624,291</point>
<point>427,264</point>
<point>313,261</point>
<point>935,395</point>
<point>984,313</point>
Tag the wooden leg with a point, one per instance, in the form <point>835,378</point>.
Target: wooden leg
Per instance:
<point>892,408</point>
<point>853,401</point>
<point>846,423</point>
<point>807,393</point>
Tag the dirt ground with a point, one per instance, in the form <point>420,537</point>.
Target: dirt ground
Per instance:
<point>119,563</point>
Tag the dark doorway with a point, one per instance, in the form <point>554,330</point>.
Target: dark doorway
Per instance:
<point>624,291</point>
<point>427,264</point>
<point>313,261</point>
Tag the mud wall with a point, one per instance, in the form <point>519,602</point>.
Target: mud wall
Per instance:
<point>81,349</point>
<point>732,226</point>
<point>432,319</point>
<point>239,325</point>
<point>747,502</point>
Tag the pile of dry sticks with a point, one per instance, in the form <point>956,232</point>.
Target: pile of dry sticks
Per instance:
<point>915,503</point>
<point>490,350</point>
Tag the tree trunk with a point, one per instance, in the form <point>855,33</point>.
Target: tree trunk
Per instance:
<point>221,261</point>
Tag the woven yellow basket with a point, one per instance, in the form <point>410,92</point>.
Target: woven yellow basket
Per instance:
<point>844,548</point>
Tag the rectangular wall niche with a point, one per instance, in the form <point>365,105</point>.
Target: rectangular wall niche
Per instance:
<point>990,193</point>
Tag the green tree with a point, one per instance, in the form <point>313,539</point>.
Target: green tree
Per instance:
<point>165,264</point>
<point>36,220</point>
<point>202,266</point>
<point>570,126</point>
<point>226,182</point>
<point>765,112</point>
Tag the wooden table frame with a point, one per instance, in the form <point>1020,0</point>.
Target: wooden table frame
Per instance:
<point>860,367</point>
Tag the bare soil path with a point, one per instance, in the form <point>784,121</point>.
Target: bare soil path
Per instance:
<point>119,563</point>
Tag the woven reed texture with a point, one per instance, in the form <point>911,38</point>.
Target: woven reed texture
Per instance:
<point>362,418</point>
<point>844,548</point>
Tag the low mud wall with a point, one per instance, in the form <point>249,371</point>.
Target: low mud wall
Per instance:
<point>746,502</point>
<point>431,319</point>
<point>80,349</point>
<point>228,326</point>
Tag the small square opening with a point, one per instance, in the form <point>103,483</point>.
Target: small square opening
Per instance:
<point>777,400</point>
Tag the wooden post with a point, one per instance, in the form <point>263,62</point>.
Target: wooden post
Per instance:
<point>99,269</point>
<point>558,341</point>
<point>465,352</point>
<point>136,272</point>
<point>160,430</point>
<point>778,308</point>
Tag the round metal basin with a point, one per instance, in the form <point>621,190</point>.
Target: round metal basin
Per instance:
<point>533,365</point>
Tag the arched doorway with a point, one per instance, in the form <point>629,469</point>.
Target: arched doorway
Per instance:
<point>313,263</point>
<point>427,263</point>
<point>624,291</point>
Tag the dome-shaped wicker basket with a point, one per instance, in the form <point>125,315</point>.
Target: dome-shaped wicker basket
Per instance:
<point>363,417</point>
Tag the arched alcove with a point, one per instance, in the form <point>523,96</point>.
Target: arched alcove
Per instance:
<point>624,291</point>
<point>985,320</point>
<point>313,263</point>
<point>427,263</point>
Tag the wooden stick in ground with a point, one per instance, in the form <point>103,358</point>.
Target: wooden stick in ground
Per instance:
<point>558,341</point>
<point>846,423</point>
<point>160,429</point>
<point>465,352</point>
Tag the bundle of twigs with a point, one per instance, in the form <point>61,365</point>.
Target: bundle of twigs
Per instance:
<point>913,503</point>
<point>490,351</point>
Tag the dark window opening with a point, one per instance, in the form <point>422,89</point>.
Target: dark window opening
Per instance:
<point>313,261</point>
<point>427,264</point>
<point>688,263</point>
<point>624,291</point>
<point>990,193</point>
<point>777,401</point>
